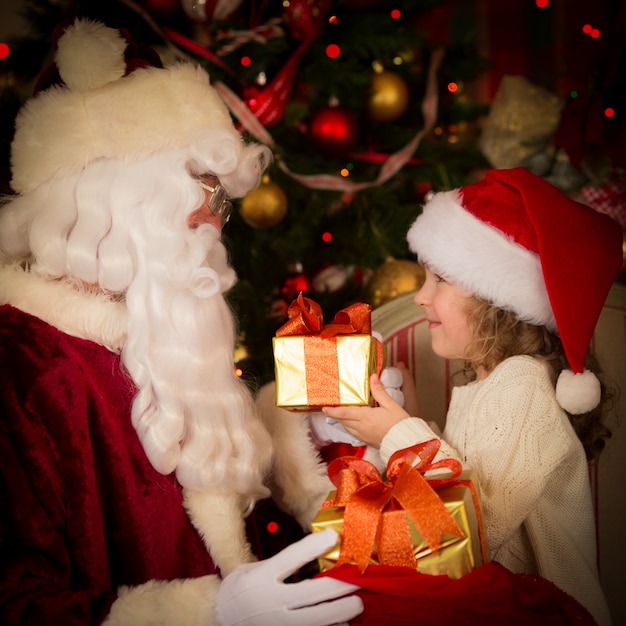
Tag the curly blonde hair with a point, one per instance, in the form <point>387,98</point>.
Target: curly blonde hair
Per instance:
<point>498,334</point>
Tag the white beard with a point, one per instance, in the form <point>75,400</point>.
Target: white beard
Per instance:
<point>123,228</point>
<point>192,414</point>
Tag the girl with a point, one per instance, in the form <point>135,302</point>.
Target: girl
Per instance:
<point>504,292</point>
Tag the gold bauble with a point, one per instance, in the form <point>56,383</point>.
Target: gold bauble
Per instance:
<point>388,97</point>
<point>392,279</point>
<point>264,206</point>
<point>241,353</point>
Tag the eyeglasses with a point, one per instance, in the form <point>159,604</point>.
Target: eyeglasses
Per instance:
<point>219,204</point>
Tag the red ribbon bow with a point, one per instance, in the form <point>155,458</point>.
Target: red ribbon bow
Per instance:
<point>375,511</point>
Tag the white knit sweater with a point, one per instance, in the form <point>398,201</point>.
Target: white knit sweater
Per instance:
<point>534,483</point>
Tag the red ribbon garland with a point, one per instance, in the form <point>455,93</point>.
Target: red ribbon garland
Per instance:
<point>375,511</point>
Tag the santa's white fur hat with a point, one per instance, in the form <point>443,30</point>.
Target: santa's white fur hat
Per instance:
<point>106,107</point>
<point>518,242</point>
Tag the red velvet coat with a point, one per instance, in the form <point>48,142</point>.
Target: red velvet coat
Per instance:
<point>82,511</point>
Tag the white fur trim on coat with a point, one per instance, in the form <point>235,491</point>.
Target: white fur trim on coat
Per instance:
<point>299,480</point>
<point>219,519</point>
<point>188,602</point>
<point>83,314</point>
<point>458,246</point>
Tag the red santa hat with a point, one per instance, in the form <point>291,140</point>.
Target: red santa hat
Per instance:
<point>518,242</point>
<point>110,99</point>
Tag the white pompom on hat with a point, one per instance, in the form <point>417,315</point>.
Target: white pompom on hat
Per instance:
<point>520,243</point>
<point>112,105</point>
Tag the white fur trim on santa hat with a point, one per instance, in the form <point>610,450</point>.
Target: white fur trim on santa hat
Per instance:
<point>152,109</point>
<point>465,250</point>
<point>578,393</point>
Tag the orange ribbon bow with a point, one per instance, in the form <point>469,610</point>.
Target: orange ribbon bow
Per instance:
<point>375,511</point>
<point>305,318</point>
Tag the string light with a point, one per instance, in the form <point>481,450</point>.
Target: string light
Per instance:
<point>609,112</point>
<point>272,527</point>
<point>4,51</point>
<point>238,372</point>
<point>594,33</point>
<point>452,87</point>
<point>542,4</point>
<point>344,172</point>
<point>333,19</point>
<point>395,14</point>
<point>327,237</point>
<point>245,61</point>
<point>333,51</point>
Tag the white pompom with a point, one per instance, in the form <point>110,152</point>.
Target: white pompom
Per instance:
<point>90,55</point>
<point>578,393</point>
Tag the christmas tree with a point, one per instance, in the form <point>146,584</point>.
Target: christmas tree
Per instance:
<point>365,115</point>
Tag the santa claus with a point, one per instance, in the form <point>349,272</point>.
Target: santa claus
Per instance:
<point>131,453</point>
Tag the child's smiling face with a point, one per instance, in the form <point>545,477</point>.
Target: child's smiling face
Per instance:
<point>446,306</point>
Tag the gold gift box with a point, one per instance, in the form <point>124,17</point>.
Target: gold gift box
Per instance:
<point>353,356</point>
<point>455,557</point>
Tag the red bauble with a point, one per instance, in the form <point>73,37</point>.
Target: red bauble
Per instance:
<point>295,282</point>
<point>333,130</point>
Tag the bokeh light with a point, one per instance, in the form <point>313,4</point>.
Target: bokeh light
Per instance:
<point>333,51</point>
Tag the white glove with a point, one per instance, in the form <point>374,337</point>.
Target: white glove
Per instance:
<point>254,594</point>
<point>326,430</point>
<point>391,378</point>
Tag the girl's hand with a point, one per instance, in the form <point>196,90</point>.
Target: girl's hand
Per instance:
<point>366,423</point>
